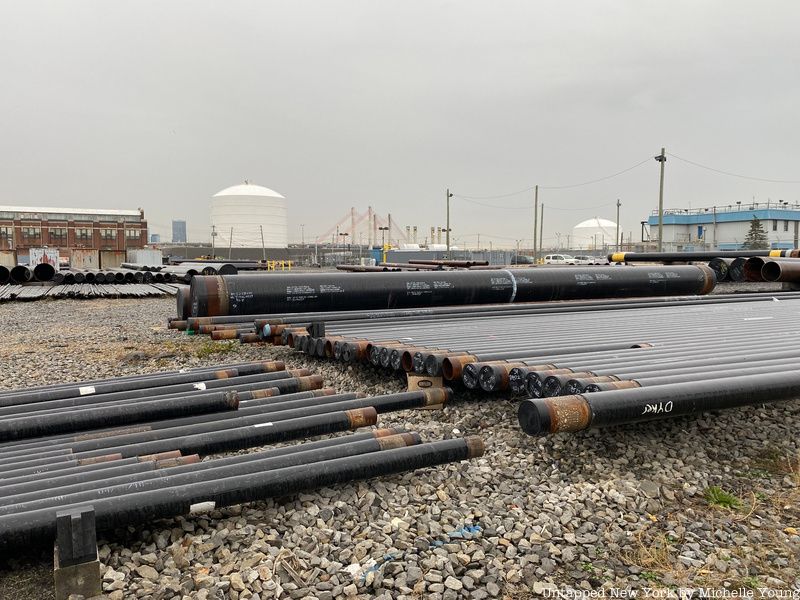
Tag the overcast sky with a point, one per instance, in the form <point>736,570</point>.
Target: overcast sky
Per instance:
<point>160,104</point>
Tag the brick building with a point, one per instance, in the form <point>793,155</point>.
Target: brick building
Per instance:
<point>23,227</point>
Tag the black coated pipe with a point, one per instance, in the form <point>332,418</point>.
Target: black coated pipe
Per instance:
<point>245,294</point>
<point>81,420</point>
<point>284,380</point>
<point>210,442</point>
<point>99,390</point>
<point>242,368</point>
<point>20,528</point>
<point>21,274</point>
<point>264,415</point>
<point>736,269</point>
<point>255,402</point>
<point>5,275</point>
<point>185,474</point>
<point>91,472</point>
<point>575,413</point>
<point>44,272</point>
<point>720,266</point>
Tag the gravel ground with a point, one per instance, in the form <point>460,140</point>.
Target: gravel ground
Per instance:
<point>618,509</point>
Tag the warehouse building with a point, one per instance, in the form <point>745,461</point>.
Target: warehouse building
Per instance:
<point>725,227</point>
<point>24,227</point>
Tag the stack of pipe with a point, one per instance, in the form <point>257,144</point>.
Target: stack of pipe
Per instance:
<point>464,264</point>
<point>365,268</point>
<point>681,257</point>
<point>151,469</point>
<point>700,342</point>
<point>728,265</point>
<point>240,265</point>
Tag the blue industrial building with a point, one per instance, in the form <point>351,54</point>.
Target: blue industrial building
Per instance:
<point>725,227</point>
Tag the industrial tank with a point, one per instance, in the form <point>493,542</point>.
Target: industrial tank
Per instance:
<point>246,212</point>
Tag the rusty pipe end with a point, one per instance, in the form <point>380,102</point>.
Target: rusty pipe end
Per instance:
<point>709,279</point>
<point>312,382</point>
<point>92,460</point>
<point>223,334</point>
<point>412,438</point>
<point>271,366</point>
<point>323,392</point>
<point>159,456</point>
<point>475,446</point>
<point>539,416</point>
<point>265,393</point>
<point>232,400</point>
<point>362,417</point>
<point>386,431</point>
<point>249,338</point>
<point>453,366</point>
<point>436,396</point>
<point>400,440</point>
<point>176,324</point>
<point>226,373</point>
<point>178,461</point>
<point>299,372</point>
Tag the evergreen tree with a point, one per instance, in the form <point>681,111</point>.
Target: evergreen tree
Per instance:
<point>756,238</point>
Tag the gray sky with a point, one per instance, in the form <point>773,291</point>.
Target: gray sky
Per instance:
<point>350,103</point>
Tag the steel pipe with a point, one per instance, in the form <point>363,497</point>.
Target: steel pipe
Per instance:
<point>20,528</point>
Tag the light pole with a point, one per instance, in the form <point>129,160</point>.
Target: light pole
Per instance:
<point>616,240</point>
<point>661,158</point>
<point>383,231</point>
<point>343,238</point>
<point>449,195</point>
<point>302,235</point>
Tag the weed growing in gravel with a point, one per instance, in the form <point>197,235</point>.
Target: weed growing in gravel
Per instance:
<point>650,576</point>
<point>210,348</point>
<point>751,582</point>
<point>716,496</point>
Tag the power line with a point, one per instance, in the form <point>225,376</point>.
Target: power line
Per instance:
<point>729,174</point>
<point>574,185</point>
<point>528,206</point>
<point>549,187</point>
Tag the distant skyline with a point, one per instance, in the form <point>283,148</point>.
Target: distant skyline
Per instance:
<point>355,103</point>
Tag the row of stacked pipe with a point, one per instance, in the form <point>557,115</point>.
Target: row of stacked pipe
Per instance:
<point>132,446</point>
<point>576,364</point>
<point>732,265</point>
<point>125,273</point>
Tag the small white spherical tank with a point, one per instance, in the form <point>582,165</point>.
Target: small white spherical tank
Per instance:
<point>246,212</point>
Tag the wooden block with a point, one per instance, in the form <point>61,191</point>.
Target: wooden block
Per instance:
<point>422,382</point>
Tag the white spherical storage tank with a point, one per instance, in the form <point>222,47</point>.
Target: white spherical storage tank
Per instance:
<point>593,233</point>
<point>241,214</point>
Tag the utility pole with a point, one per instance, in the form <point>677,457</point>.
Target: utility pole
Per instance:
<point>662,158</point>
<point>263,248</point>
<point>213,241</point>
<point>302,235</point>
<point>230,244</point>
<point>541,229</point>
<point>616,239</point>
<point>449,195</point>
<point>535,222</point>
